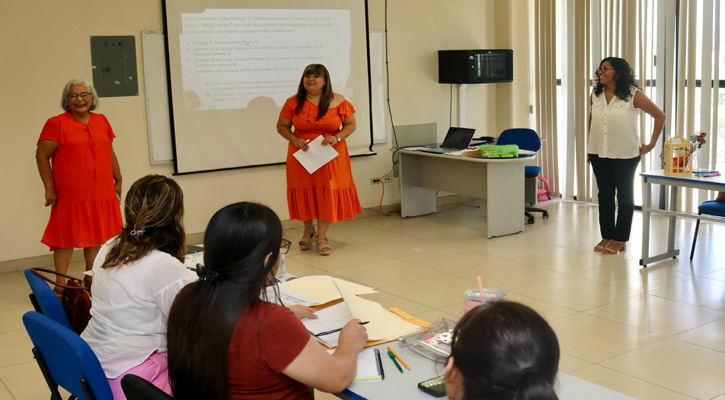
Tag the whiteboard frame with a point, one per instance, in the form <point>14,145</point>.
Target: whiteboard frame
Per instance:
<point>156,91</point>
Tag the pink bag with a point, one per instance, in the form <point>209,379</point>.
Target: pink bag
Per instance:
<point>544,194</point>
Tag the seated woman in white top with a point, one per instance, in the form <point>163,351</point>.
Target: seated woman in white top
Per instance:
<point>504,351</point>
<point>136,277</point>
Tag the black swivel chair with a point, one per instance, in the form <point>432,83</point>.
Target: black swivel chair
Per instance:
<point>526,139</point>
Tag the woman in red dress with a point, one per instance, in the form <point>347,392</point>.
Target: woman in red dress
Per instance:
<point>328,194</point>
<point>81,176</point>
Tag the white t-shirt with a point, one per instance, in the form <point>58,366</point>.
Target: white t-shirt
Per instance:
<point>130,308</point>
<point>614,131</point>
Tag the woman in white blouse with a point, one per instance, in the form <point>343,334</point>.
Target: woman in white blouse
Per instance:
<point>136,277</point>
<point>614,147</point>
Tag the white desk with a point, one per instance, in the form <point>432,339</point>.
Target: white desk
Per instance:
<point>499,181</point>
<point>671,183</point>
<point>405,385</point>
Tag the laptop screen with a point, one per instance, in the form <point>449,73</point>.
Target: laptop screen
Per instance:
<point>458,138</point>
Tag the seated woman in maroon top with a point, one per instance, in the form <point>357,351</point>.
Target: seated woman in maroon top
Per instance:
<point>225,341</point>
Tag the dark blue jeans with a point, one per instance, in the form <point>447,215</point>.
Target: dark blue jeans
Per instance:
<point>615,176</point>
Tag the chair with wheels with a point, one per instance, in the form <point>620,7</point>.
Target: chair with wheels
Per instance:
<point>712,207</point>
<point>526,139</point>
<point>44,299</point>
<point>137,388</point>
<point>66,360</point>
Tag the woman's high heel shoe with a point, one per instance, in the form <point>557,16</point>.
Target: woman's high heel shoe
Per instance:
<point>602,245</point>
<point>306,243</point>
<point>614,247</point>
<point>323,249</point>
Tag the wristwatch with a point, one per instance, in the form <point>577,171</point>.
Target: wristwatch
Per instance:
<point>338,138</point>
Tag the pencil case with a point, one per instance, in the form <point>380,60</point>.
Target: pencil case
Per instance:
<point>499,151</point>
<point>432,342</point>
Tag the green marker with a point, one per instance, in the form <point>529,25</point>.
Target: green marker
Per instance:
<point>392,357</point>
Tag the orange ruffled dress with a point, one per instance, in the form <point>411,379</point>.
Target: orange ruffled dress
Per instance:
<point>329,193</point>
<point>87,212</point>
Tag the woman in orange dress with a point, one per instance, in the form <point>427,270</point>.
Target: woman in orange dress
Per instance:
<point>82,182</point>
<point>327,195</point>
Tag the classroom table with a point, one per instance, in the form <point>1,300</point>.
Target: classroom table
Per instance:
<point>404,385</point>
<point>499,181</point>
<point>671,183</point>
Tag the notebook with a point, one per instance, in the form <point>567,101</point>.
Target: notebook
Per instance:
<point>456,139</point>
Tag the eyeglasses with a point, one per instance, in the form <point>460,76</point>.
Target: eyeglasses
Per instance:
<point>284,247</point>
<point>82,95</point>
<point>604,69</point>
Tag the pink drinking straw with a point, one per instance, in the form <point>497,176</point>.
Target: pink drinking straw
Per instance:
<point>480,287</point>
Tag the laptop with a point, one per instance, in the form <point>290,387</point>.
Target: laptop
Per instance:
<point>456,139</point>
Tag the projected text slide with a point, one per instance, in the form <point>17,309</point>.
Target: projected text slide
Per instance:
<point>231,56</point>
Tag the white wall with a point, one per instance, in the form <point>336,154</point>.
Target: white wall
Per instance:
<point>46,42</point>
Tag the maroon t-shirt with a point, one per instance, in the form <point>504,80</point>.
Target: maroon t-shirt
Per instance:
<point>266,339</point>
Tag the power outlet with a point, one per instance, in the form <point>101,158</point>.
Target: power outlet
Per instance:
<point>386,179</point>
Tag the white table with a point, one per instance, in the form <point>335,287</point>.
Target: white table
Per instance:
<point>671,183</point>
<point>405,385</point>
<point>499,181</point>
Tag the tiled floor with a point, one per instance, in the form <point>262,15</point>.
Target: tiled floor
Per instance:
<point>654,333</point>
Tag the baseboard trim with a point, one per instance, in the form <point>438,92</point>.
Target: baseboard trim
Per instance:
<point>46,261</point>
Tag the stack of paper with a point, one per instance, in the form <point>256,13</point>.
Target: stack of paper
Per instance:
<point>380,323</point>
<point>323,289</point>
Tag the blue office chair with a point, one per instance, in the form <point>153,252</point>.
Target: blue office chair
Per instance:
<point>526,139</point>
<point>66,360</point>
<point>711,207</point>
<point>44,299</point>
<point>137,388</point>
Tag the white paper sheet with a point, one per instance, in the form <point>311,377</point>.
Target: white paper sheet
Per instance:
<point>316,155</point>
<point>383,324</point>
<point>323,289</point>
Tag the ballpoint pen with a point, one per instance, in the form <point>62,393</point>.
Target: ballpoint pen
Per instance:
<point>392,357</point>
<point>334,330</point>
<point>398,357</point>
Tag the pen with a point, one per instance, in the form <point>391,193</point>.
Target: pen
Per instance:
<point>392,357</point>
<point>398,357</point>
<point>334,330</point>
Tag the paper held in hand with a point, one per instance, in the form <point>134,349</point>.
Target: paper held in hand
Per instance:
<point>316,155</point>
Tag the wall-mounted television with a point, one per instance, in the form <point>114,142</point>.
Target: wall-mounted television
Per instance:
<point>475,66</point>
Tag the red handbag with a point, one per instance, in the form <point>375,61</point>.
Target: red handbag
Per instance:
<point>75,298</point>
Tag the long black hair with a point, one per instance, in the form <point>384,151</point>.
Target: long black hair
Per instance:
<point>327,94</point>
<point>505,351</point>
<point>237,241</point>
<point>623,79</point>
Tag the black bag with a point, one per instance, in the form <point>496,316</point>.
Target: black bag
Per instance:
<point>75,299</point>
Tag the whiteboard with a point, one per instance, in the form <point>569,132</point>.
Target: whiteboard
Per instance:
<point>158,120</point>
<point>157,93</point>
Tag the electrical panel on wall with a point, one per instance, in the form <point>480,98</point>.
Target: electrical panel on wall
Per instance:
<point>114,65</point>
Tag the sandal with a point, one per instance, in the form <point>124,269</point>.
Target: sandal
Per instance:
<point>323,249</point>
<point>306,243</point>
<point>602,245</point>
<point>614,247</point>
<point>58,291</point>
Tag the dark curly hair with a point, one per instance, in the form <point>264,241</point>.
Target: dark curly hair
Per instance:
<point>624,78</point>
<point>154,208</point>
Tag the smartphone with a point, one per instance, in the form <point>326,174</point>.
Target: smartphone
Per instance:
<point>434,386</point>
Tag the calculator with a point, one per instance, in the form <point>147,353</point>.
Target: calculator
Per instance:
<point>434,386</point>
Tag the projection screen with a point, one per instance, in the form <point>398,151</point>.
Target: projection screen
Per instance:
<point>232,65</point>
